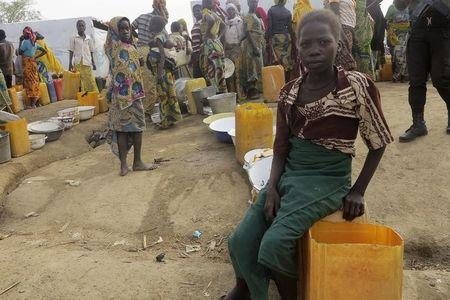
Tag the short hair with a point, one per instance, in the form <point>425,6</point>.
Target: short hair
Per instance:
<point>158,22</point>
<point>2,34</point>
<point>175,27</point>
<point>197,6</point>
<point>324,16</point>
<point>81,21</point>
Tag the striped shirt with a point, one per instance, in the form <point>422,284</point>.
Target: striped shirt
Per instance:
<point>142,25</point>
<point>196,38</point>
<point>333,121</point>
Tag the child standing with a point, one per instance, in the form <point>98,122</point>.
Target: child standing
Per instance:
<point>82,58</point>
<point>125,93</point>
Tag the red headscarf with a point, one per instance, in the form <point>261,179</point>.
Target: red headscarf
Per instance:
<point>219,10</point>
<point>263,15</point>
<point>28,32</point>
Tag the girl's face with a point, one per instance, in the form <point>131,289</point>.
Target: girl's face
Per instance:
<point>124,31</point>
<point>317,47</point>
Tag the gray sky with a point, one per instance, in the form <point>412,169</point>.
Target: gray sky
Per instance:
<point>107,9</point>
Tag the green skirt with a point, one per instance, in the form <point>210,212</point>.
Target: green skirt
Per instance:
<point>312,187</point>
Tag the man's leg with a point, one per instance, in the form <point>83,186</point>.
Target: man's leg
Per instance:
<point>418,60</point>
<point>440,66</point>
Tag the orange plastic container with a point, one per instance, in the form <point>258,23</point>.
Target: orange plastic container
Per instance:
<point>44,98</point>
<point>89,99</point>
<point>192,85</point>
<point>19,138</point>
<point>353,261</point>
<point>16,105</point>
<point>58,83</point>
<point>71,85</point>
<point>18,88</point>
<point>273,80</point>
<point>254,128</point>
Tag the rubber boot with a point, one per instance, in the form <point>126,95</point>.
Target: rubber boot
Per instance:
<point>448,124</point>
<point>419,128</point>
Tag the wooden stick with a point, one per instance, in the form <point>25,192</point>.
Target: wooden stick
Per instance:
<point>9,288</point>
<point>144,242</point>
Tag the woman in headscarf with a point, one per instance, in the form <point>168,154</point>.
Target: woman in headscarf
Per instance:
<point>236,3</point>
<point>233,38</point>
<point>126,118</point>
<point>163,70</point>
<point>363,37</point>
<point>267,47</point>
<point>398,29</point>
<point>252,51</point>
<point>212,53</point>
<point>48,63</point>
<point>346,11</point>
<point>28,49</point>
<point>279,33</point>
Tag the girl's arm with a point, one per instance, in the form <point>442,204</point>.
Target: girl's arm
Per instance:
<point>354,201</point>
<point>281,150</point>
<point>273,197</point>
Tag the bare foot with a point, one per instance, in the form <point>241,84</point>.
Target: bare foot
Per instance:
<point>124,170</point>
<point>140,166</point>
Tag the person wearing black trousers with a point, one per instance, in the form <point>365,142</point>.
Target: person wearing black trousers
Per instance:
<point>428,52</point>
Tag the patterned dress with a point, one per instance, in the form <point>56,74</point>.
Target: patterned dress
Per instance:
<point>4,95</point>
<point>168,103</point>
<point>398,32</point>
<point>363,38</point>
<point>125,92</point>
<point>212,54</point>
<point>252,64</point>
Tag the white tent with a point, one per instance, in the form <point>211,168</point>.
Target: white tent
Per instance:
<point>57,35</point>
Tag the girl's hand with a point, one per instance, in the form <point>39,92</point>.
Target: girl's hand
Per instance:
<point>272,204</point>
<point>353,205</point>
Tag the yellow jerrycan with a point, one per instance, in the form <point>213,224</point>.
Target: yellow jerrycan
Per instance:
<point>71,85</point>
<point>16,106</point>
<point>192,85</point>
<point>44,98</point>
<point>19,138</point>
<point>352,261</point>
<point>254,128</point>
<point>89,99</point>
<point>273,80</point>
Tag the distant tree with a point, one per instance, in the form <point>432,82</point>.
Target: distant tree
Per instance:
<point>18,11</point>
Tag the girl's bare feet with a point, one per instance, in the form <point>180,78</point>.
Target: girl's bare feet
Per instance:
<point>140,166</point>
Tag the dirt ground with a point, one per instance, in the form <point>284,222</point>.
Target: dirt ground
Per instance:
<point>83,242</point>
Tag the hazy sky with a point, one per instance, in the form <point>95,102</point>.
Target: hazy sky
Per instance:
<point>107,9</point>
